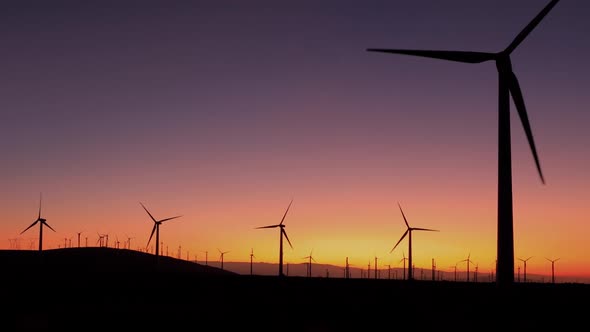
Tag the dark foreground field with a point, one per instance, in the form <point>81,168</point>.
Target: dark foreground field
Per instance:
<point>103,289</point>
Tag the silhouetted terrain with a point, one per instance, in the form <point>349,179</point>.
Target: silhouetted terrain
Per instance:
<point>105,288</point>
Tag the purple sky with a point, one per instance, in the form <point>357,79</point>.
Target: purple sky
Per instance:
<point>142,96</point>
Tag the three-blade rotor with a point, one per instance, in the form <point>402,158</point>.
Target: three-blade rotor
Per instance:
<point>156,222</point>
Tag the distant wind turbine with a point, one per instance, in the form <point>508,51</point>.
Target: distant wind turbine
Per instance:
<point>404,259</point>
<point>221,255</point>
<point>468,260</point>
<point>310,258</point>
<point>409,233</point>
<point>251,257</point>
<point>552,268</point>
<point>281,226</point>
<point>507,85</point>
<point>41,222</point>
<point>524,261</point>
<point>156,229</point>
<point>79,233</point>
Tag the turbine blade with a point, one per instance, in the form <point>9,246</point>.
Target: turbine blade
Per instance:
<point>33,224</point>
<point>286,237</point>
<point>286,213</point>
<point>271,226</point>
<point>458,56</point>
<point>520,107</point>
<point>425,229</point>
<point>403,215</point>
<point>400,240</point>
<point>151,235</point>
<point>46,224</point>
<point>40,200</point>
<point>161,221</point>
<point>148,212</point>
<point>527,30</point>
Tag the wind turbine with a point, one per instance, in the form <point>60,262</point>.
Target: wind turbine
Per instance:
<point>221,254</point>
<point>404,259</point>
<point>41,221</point>
<point>552,268</point>
<point>282,233</point>
<point>156,229</point>
<point>310,257</point>
<point>507,85</point>
<point>79,233</point>
<point>468,260</point>
<point>524,261</point>
<point>409,233</point>
<point>251,257</point>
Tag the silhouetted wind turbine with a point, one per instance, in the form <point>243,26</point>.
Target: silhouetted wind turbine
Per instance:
<point>156,229</point>
<point>524,261</point>
<point>221,254</point>
<point>468,260</point>
<point>251,257</point>
<point>552,268</point>
<point>79,233</point>
<point>404,259</point>
<point>282,233</point>
<point>41,221</point>
<point>409,233</point>
<point>507,85</point>
<point>310,257</point>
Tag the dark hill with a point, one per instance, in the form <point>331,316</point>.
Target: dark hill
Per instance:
<point>102,288</point>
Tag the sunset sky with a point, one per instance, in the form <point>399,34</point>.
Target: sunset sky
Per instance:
<point>224,111</point>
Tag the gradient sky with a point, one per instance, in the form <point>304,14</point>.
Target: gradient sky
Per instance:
<point>224,111</point>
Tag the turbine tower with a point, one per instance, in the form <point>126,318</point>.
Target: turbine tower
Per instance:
<point>409,233</point>
<point>507,85</point>
<point>41,221</point>
<point>156,229</point>
<point>281,226</point>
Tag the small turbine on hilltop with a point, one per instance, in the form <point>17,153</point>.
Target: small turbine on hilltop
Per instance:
<point>221,255</point>
<point>156,229</point>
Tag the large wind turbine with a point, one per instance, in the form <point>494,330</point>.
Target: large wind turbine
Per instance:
<point>41,221</point>
<point>156,229</point>
<point>507,85</point>
<point>282,233</point>
<point>409,233</point>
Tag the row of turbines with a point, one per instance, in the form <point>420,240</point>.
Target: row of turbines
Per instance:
<point>508,86</point>
<point>104,238</point>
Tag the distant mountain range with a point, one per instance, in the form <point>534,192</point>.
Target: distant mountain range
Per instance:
<point>333,271</point>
